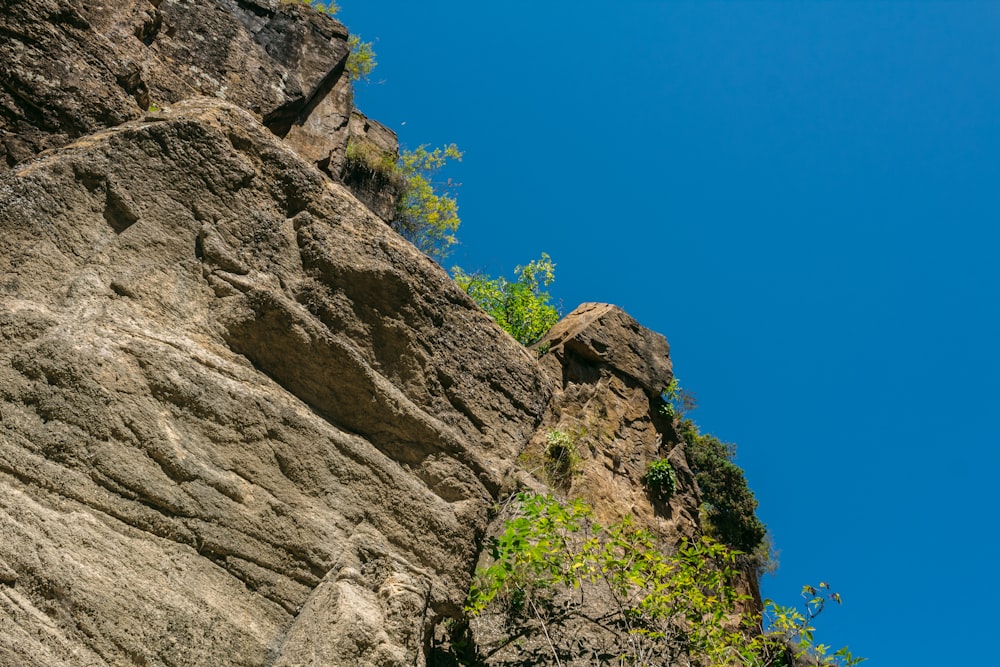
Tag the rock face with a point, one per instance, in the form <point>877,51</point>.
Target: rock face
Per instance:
<point>370,172</point>
<point>69,68</point>
<point>609,372</point>
<point>241,420</point>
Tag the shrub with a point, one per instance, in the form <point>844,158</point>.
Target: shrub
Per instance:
<point>361,59</point>
<point>365,154</point>
<point>729,504</point>
<point>425,217</point>
<point>676,402</point>
<point>331,7</point>
<point>551,559</point>
<point>669,397</point>
<point>561,457</point>
<point>522,308</point>
<point>661,479</point>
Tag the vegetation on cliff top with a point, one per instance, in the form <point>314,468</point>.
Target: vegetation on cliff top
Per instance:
<point>522,307</point>
<point>427,214</point>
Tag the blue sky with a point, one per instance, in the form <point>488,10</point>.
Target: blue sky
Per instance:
<point>804,197</point>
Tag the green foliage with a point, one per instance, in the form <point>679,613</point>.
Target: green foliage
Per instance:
<point>796,627</point>
<point>331,7</point>
<point>361,60</point>
<point>561,457</point>
<point>522,308</point>
<point>425,217</point>
<point>670,395</point>
<point>676,402</point>
<point>729,504</point>
<point>661,479</point>
<point>368,156</point>
<point>654,609</point>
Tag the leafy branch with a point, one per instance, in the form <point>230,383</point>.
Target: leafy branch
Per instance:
<point>553,565</point>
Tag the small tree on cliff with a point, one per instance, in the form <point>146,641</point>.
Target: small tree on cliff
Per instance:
<point>427,216</point>
<point>522,308</point>
<point>552,563</point>
<point>361,60</point>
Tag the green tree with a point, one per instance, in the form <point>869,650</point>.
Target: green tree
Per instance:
<point>651,609</point>
<point>729,507</point>
<point>361,59</point>
<point>426,217</point>
<point>522,308</point>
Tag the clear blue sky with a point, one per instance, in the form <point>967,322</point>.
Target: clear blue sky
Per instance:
<point>804,197</point>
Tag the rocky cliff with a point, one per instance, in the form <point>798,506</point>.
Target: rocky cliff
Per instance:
<point>242,421</point>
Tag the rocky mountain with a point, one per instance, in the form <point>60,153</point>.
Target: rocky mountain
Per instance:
<point>242,421</point>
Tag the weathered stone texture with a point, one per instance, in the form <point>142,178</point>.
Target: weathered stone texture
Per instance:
<point>69,68</point>
<point>609,372</point>
<point>242,422</point>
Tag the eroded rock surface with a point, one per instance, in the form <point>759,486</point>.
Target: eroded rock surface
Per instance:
<point>242,422</point>
<point>371,173</point>
<point>609,372</point>
<point>69,68</point>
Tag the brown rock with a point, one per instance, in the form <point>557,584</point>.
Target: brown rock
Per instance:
<point>371,172</point>
<point>69,68</point>
<point>242,422</point>
<point>609,371</point>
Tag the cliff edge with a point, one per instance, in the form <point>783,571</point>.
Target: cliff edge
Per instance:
<point>242,421</point>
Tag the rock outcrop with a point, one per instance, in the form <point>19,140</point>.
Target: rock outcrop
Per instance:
<point>241,420</point>
<point>609,372</point>
<point>70,68</point>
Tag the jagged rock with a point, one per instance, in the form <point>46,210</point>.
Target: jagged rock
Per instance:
<point>69,68</point>
<point>371,172</point>
<point>609,371</point>
<point>603,336</point>
<point>242,422</point>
